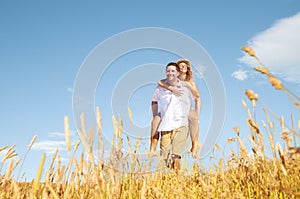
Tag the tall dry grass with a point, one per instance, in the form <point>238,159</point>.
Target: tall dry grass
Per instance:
<point>243,173</point>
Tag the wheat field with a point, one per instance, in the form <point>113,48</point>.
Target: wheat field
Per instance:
<point>242,173</point>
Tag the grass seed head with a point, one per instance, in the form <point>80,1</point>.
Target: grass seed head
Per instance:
<point>3,148</point>
<point>254,125</point>
<point>31,142</point>
<point>262,70</point>
<point>244,104</point>
<point>130,114</point>
<point>285,136</point>
<point>263,123</point>
<point>276,83</point>
<point>99,118</point>
<point>76,146</point>
<point>39,174</point>
<point>67,133</point>
<point>237,130</point>
<point>251,95</point>
<point>248,50</point>
<point>229,140</point>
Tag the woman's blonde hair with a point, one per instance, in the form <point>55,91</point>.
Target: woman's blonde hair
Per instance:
<point>189,72</point>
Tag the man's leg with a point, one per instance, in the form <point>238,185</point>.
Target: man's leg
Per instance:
<point>176,162</point>
<point>194,132</point>
<point>154,134</point>
<point>165,149</point>
<point>178,144</point>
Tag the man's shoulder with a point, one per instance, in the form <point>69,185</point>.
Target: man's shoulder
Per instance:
<point>160,91</point>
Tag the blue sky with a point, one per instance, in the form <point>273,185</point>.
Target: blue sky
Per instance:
<point>43,45</point>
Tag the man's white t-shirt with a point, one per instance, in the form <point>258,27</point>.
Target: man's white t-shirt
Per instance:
<point>174,110</point>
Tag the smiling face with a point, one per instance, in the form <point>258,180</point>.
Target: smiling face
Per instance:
<point>183,67</point>
<point>171,73</point>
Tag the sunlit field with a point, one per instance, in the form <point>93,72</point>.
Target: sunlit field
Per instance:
<point>242,173</point>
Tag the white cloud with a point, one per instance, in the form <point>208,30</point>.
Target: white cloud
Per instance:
<point>57,134</point>
<point>278,48</point>
<point>49,146</point>
<point>70,90</point>
<point>240,74</point>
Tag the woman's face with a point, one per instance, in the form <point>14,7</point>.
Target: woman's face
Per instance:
<point>183,67</point>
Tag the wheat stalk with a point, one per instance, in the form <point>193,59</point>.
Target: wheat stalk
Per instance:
<point>28,149</point>
<point>36,183</point>
<point>275,82</point>
<point>67,133</point>
<point>130,114</point>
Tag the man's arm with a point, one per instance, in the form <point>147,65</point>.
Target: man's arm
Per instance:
<point>154,106</point>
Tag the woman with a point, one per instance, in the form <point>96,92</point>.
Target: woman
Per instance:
<point>186,76</point>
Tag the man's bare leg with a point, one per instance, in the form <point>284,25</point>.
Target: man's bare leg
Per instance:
<point>194,132</point>
<point>154,134</point>
<point>176,163</point>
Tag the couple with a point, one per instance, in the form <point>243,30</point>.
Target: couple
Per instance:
<point>176,118</point>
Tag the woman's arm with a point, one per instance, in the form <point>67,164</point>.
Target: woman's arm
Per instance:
<point>194,89</point>
<point>192,86</point>
<point>198,105</point>
<point>174,89</point>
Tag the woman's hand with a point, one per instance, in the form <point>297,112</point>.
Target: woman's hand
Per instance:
<point>177,91</point>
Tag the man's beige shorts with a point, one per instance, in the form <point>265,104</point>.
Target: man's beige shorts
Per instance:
<point>173,142</point>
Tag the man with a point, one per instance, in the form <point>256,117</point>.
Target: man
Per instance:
<point>174,111</point>
<point>186,76</point>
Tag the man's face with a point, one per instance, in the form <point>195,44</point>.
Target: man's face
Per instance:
<point>171,73</point>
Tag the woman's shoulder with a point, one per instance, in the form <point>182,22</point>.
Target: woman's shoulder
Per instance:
<point>186,84</point>
<point>191,82</point>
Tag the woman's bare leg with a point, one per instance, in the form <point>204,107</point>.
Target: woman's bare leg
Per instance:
<point>154,134</point>
<point>194,132</point>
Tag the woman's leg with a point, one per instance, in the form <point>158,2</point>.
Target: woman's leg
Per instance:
<point>154,134</point>
<point>194,132</point>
